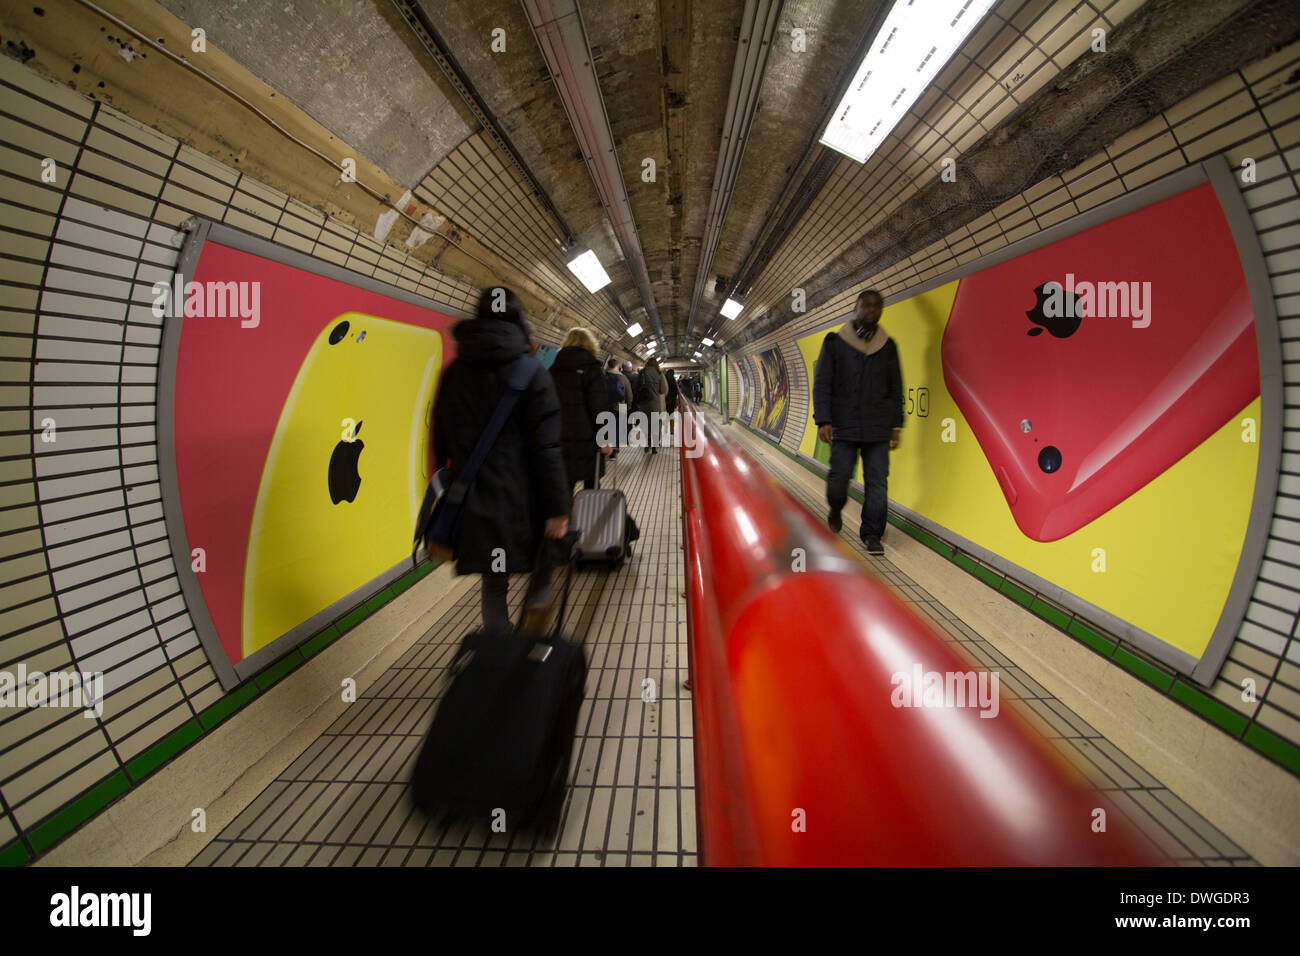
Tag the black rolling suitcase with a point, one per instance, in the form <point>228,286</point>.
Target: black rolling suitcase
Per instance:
<point>502,738</point>
<point>606,529</point>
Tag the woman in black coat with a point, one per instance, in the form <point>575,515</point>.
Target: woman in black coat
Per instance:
<point>584,395</point>
<point>519,493</point>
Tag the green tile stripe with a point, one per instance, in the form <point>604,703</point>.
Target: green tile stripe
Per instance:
<point>378,601</point>
<point>321,641</point>
<point>1209,708</point>
<point>1149,673</point>
<point>272,675</point>
<point>15,854</point>
<point>1018,594</point>
<point>78,812</point>
<point>227,705</point>
<point>1271,745</point>
<point>1050,614</point>
<point>149,761</point>
<point>353,618</point>
<point>990,577</point>
<point>926,538</point>
<point>1102,645</point>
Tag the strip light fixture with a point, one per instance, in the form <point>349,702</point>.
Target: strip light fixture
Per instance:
<point>914,44</point>
<point>589,271</point>
<point>634,329</point>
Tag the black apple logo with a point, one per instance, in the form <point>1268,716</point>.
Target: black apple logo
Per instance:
<point>344,478</point>
<point>1063,318</point>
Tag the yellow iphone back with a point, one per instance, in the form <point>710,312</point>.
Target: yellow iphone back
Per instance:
<point>345,473</point>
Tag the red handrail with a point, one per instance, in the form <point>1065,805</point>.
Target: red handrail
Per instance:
<point>805,752</point>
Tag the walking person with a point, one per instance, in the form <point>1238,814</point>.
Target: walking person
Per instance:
<point>858,408</point>
<point>652,393</point>
<point>630,373</point>
<point>584,395</point>
<point>620,397</point>
<point>634,379</point>
<point>670,399</point>
<point>519,495</point>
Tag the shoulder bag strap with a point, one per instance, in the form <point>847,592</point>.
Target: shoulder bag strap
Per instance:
<point>521,373</point>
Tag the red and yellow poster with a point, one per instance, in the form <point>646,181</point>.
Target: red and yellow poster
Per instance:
<point>1088,411</point>
<point>300,433</point>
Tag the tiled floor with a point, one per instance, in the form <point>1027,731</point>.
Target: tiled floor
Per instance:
<point>344,801</point>
<point>1176,829</point>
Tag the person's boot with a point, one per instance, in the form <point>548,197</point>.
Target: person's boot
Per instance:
<point>834,520</point>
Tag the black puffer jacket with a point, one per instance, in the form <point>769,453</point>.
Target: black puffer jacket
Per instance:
<point>857,394</point>
<point>580,384</point>
<point>521,482</point>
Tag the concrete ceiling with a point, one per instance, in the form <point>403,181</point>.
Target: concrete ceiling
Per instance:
<point>665,72</point>
<point>664,68</point>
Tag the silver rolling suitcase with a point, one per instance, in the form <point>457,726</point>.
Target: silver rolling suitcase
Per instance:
<point>600,517</point>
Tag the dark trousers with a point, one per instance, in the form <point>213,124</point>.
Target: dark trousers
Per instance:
<point>496,587</point>
<point>875,474</point>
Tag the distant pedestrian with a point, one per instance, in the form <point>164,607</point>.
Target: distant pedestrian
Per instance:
<point>651,395</point>
<point>620,396</point>
<point>634,379</point>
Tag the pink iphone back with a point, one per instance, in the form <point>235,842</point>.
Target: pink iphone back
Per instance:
<point>1076,414</point>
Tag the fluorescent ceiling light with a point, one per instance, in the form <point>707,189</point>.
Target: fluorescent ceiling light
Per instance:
<point>651,347</point>
<point>697,354</point>
<point>706,342</point>
<point>731,308</point>
<point>634,329</point>
<point>589,270</point>
<point>909,51</point>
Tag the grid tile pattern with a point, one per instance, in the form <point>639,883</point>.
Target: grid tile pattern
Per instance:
<point>1250,117</point>
<point>1175,830</point>
<point>485,194</point>
<point>86,576</point>
<point>344,801</point>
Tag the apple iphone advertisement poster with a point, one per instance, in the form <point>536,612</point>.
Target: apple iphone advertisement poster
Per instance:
<point>1088,411</point>
<point>300,438</point>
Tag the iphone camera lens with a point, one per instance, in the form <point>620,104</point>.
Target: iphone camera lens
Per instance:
<point>1049,459</point>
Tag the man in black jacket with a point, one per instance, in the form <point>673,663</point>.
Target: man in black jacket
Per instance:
<point>520,492</point>
<point>858,408</point>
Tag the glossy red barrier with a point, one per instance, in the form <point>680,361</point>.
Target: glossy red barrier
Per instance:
<point>810,748</point>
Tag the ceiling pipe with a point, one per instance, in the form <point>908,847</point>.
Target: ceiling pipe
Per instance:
<point>557,26</point>
<point>757,27</point>
<point>809,174</point>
